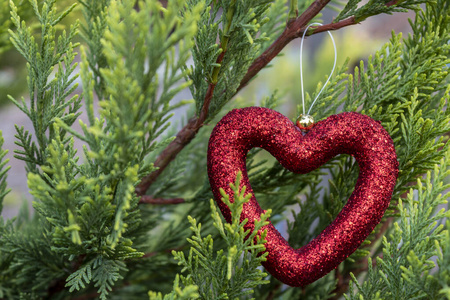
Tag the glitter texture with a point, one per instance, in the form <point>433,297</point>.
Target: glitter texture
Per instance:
<point>345,133</point>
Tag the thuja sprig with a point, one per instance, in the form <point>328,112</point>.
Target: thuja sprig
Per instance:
<point>5,23</point>
<point>357,13</point>
<point>95,13</point>
<point>403,271</point>
<point>49,98</point>
<point>88,210</point>
<point>132,116</point>
<point>230,273</point>
<point>88,226</point>
<point>179,293</point>
<point>3,174</point>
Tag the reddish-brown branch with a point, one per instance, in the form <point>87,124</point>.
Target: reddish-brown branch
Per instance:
<point>147,199</point>
<point>392,2</point>
<point>294,29</point>
<point>272,293</point>
<point>150,254</point>
<point>335,26</point>
<point>184,137</point>
<point>205,107</point>
<point>339,277</point>
<point>91,295</point>
<point>381,232</point>
<point>60,284</point>
<point>344,23</point>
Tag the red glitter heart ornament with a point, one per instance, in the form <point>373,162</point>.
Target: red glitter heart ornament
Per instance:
<point>346,133</point>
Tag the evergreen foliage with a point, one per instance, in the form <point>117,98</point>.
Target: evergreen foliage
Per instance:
<point>233,274</point>
<point>404,270</point>
<point>94,13</point>
<point>92,235</point>
<point>3,173</point>
<point>12,65</point>
<point>4,25</point>
<point>49,99</point>
<point>241,40</point>
<point>374,7</point>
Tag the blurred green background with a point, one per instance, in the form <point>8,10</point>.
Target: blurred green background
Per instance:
<point>13,76</point>
<point>355,43</point>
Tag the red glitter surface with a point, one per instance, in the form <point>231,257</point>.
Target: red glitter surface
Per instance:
<point>345,133</point>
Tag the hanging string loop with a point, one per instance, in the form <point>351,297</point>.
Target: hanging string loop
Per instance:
<point>305,122</point>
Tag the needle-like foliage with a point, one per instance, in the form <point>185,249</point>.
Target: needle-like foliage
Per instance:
<point>230,274</point>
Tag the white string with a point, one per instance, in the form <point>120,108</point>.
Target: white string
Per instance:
<point>301,68</point>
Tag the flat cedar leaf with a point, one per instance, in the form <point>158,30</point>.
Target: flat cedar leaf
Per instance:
<point>80,278</point>
<point>105,274</point>
<point>238,277</point>
<point>3,173</point>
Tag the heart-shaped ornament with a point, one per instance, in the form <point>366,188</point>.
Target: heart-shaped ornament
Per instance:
<point>346,133</point>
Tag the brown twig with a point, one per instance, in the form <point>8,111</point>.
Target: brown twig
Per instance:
<point>147,199</point>
<point>186,134</point>
<point>392,2</point>
<point>90,295</point>
<point>294,29</point>
<point>380,233</point>
<point>345,22</point>
<point>335,26</point>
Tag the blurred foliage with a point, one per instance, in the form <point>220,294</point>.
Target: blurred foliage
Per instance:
<point>12,65</point>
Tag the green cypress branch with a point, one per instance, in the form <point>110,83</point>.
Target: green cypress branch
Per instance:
<point>407,252</point>
<point>293,10</point>
<point>92,32</point>
<point>5,23</point>
<point>187,293</point>
<point>3,174</point>
<point>226,275</point>
<point>48,97</point>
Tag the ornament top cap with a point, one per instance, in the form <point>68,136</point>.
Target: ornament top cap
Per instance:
<point>305,122</point>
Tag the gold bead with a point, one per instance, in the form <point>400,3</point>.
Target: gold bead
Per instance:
<point>305,122</point>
